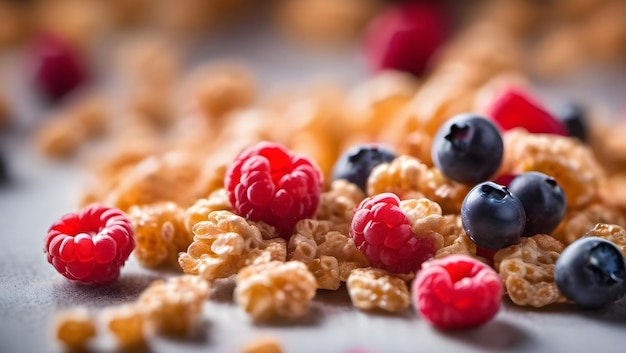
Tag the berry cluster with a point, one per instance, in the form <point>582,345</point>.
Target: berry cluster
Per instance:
<point>90,246</point>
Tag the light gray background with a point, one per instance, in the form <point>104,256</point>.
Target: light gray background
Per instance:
<point>31,292</point>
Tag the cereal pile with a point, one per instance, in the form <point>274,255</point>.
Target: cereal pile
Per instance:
<point>275,218</point>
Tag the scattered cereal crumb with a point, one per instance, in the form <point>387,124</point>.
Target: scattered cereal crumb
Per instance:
<point>265,344</point>
<point>373,288</point>
<point>127,324</point>
<point>75,328</point>
<point>275,290</point>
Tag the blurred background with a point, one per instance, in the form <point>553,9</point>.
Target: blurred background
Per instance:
<point>326,73</point>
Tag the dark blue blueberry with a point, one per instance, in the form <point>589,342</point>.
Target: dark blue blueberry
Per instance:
<point>356,164</point>
<point>592,272</point>
<point>492,217</point>
<point>468,148</point>
<point>543,199</point>
<point>575,120</point>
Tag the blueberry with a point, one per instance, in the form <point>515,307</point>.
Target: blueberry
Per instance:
<point>356,164</point>
<point>592,272</point>
<point>492,217</point>
<point>575,120</point>
<point>543,199</point>
<point>468,148</point>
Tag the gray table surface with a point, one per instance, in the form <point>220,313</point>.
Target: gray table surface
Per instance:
<point>31,292</point>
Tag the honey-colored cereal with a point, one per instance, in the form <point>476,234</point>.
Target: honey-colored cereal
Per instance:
<point>173,307</point>
<point>527,270</point>
<point>337,204</point>
<point>60,138</point>
<point>160,233</point>
<point>578,222</point>
<point>326,272</point>
<point>566,159</point>
<point>372,288</point>
<point>127,324</point>
<point>424,216</point>
<point>275,289</point>
<point>611,232</point>
<point>222,245</point>
<point>156,178</point>
<point>199,211</point>
<point>401,176</point>
<point>264,344</point>
<point>75,327</point>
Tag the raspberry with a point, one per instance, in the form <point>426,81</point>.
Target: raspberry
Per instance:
<point>514,109</point>
<point>268,183</point>
<point>58,67</point>
<point>405,37</point>
<point>90,246</point>
<point>382,232</point>
<point>457,292</point>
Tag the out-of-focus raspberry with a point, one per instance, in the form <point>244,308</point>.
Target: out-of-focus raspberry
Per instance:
<point>565,159</point>
<point>527,270</point>
<point>456,292</point>
<point>268,183</point>
<point>160,233</point>
<point>381,231</point>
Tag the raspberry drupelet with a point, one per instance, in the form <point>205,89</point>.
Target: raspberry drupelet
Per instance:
<point>381,231</point>
<point>268,183</point>
<point>90,246</point>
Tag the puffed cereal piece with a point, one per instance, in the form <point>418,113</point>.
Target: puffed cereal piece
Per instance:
<point>275,290</point>
<point>173,307</point>
<point>160,233</point>
<point>60,137</point>
<point>222,245</point>
<point>75,327</point>
<point>326,272</point>
<point>199,211</point>
<point>266,344</point>
<point>424,216</point>
<point>611,232</point>
<point>566,159</point>
<point>527,270</point>
<point>407,176</point>
<point>578,222</point>
<point>337,204</point>
<point>313,239</point>
<point>372,288</point>
<point>401,176</point>
<point>462,244</point>
<point>222,88</point>
<point>126,322</point>
<point>154,179</point>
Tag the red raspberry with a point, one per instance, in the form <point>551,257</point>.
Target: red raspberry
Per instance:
<point>90,246</point>
<point>58,67</point>
<point>382,232</point>
<point>268,183</point>
<point>514,109</point>
<point>405,37</point>
<point>457,292</point>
